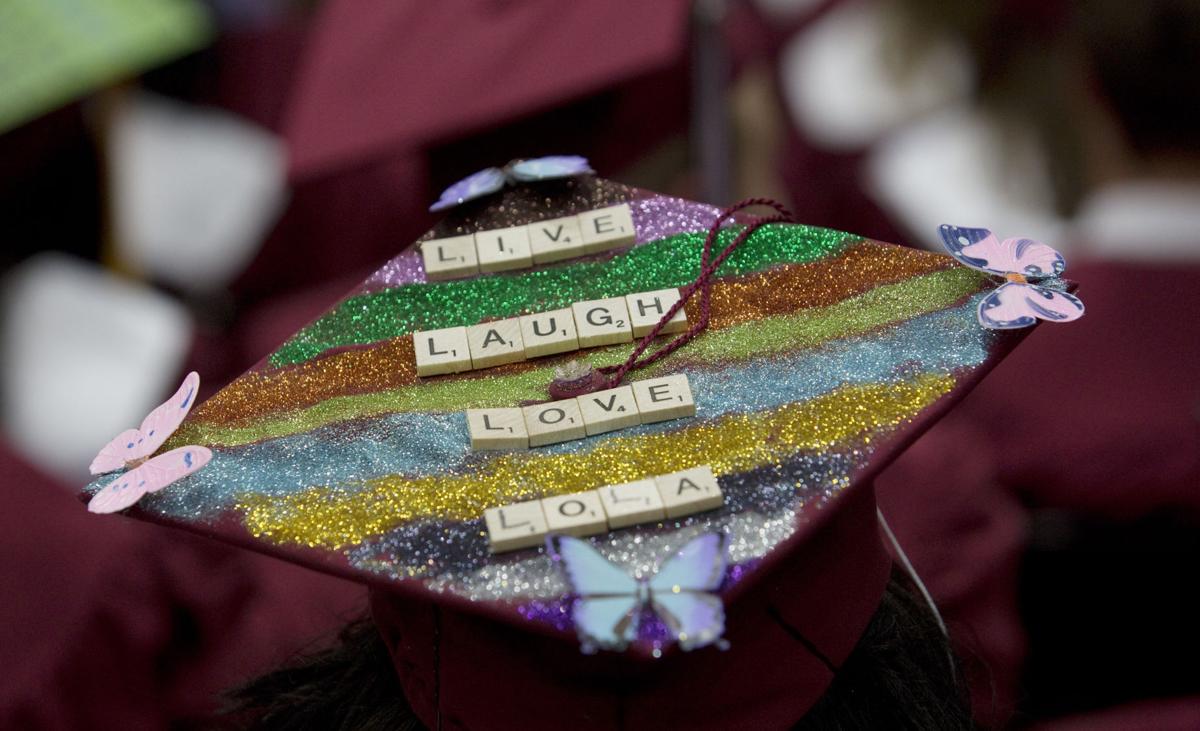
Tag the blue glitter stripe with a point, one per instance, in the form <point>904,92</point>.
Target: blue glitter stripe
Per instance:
<point>347,453</point>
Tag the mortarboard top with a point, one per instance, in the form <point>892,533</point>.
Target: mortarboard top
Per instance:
<point>389,75</point>
<point>825,355</point>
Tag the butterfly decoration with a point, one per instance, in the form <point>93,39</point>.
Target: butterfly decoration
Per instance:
<point>609,601</point>
<point>490,180</point>
<point>132,449</point>
<point>1016,303</point>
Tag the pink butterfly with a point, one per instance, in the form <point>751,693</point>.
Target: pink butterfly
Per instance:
<point>1017,303</point>
<point>131,450</point>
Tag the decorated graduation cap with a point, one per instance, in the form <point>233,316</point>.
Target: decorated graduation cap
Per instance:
<point>601,454</point>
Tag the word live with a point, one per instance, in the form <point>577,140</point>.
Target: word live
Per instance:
<point>520,247</point>
<point>666,497</point>
<point>641,402</point>
<point>582,325</point>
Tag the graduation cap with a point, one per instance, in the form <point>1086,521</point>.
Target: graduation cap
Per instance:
<point>644,571</point>
<point>392,75</point>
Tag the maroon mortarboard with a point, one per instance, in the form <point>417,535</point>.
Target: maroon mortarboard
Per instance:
<point>384,75</point>
<point>694,545</point>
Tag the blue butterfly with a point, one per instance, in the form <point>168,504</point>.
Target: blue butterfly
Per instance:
<point>609,601</point>
<point>490,180</point>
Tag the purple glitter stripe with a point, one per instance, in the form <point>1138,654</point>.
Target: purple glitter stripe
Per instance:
<point>654,218</point>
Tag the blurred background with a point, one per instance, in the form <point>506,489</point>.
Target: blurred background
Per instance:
<point>184,183</point>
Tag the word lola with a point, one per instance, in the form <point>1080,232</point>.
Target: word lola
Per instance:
<point>666,497</point>
<point>641,402</point>
<point>520,247</point>
<point>582,325</point>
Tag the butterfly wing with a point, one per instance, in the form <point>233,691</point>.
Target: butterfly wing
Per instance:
<point>152,476</point>
<point>974,247</point>
<point>680,591</point>
<point>605,612</point>
<point>1015,305</point>
<point>162,422</point>
<point>475,185</point>
<point>545,168</point>
<point>1031,258</point>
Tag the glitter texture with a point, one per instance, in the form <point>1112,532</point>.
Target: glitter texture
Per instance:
<point>820,348</point>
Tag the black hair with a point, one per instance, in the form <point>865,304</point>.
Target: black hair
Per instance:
<point>901,675</point>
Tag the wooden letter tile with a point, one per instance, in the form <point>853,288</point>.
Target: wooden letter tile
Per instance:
<point>580,514</point>
<point>604,411</point>
<point>689,491</point>
<point>632,503</point>
<point>521,525</point>
<point>554,422</point>
<point>449,258</point>
<point>607,228</point>
<point>442,351</point>
<point>547,333</point>
<point>647,308</point>
<point>602,322</point>
<point>502,249</point>
<point>496,343</point>
<point>555,240</point>
<point>660,399</point>
<point>497,429</point>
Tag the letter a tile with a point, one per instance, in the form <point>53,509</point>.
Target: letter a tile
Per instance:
<point>689,491</point>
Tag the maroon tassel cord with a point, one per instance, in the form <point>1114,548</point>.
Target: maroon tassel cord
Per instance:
<point>587,380</point>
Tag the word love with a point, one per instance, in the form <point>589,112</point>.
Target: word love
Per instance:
<point>520,247</point>
<point>582,325</point>
<point>641,402</point>
<point>679,494</point>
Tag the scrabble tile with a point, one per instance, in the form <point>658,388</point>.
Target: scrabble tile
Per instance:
<point>647,308</point>
<point>547,333</point>
<point>442,351</point>
<point>602,322</point>
<point>502,249</point>
<point>632,503</point>
<point>660,399</point>
<point>496,343</point>
<point>497,429</point>
<point>606,228</point>
<point>580,514</point>
<point>450,258</point>
<point>520,525</point>
<point>553,422</point>
<point>604,411</point>
<point>689,491</point>
<point>555,240</point>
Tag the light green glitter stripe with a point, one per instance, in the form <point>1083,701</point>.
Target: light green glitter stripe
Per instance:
<point>881,306</point>
<point>671,262</point>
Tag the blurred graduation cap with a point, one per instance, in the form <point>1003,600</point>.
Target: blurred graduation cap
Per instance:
<point>53,52</point>
<point>387,75</point>
<point>825,355</point>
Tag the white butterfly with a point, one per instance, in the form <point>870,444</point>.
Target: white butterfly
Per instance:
<point>609,601</point>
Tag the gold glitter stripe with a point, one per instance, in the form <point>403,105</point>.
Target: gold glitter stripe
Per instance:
<point>808,328</point>
<point>337,517</point>
<point>390,364</point>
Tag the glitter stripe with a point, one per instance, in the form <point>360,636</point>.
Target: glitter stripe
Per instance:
<point>671,262</point>
<point>779,335</point>
<point>336,518</point>
<point>390,364</point>
<point>420,443</point>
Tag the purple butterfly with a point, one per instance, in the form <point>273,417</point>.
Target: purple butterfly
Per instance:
<point>1017,303</point>
<point>490,180</point>
<point>609,601</point>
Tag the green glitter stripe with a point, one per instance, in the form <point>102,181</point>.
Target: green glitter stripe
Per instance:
<point>671,262</point>
<point>807,328</point>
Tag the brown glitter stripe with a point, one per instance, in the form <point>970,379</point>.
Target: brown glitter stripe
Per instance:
<point>391,364</point>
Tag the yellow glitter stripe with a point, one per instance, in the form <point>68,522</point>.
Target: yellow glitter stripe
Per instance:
<point>334,518</point>
<point>804,329</point>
